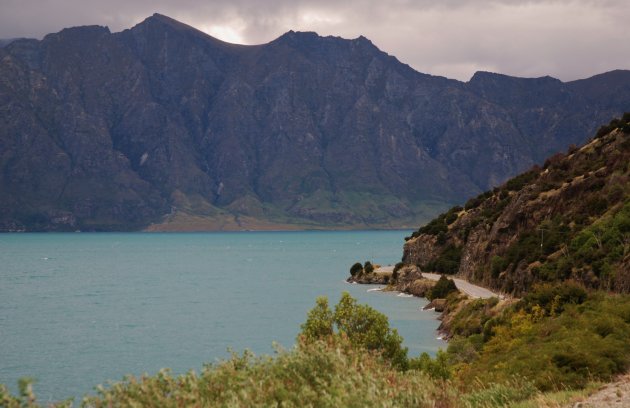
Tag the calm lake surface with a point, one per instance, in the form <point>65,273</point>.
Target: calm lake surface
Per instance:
<point>77,310</point>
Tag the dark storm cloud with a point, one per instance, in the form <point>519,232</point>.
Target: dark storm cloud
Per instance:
<point>454,38</point>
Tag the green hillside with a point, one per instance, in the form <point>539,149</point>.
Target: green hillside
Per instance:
<point>567,220</point>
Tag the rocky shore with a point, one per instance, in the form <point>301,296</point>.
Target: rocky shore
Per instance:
<point>406,279</point>
<point>409,279</point>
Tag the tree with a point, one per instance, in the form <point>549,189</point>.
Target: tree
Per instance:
<point>442,288</point>
<point>319,322</point>
<point>356,269</point>
<point>436,368</point>
<point>362,325</point>
<point>368,267</point>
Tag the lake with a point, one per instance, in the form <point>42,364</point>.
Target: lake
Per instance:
<point>79,309</point>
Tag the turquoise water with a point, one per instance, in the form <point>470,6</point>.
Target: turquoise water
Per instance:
<point>79,309</point>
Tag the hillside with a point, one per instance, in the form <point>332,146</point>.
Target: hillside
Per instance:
<point>164,126</point>
<point>567,220</point>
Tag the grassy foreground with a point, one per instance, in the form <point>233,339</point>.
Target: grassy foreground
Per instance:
<point>538,352</point>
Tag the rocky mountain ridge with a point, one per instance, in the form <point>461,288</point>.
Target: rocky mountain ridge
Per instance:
<point>166,126</point>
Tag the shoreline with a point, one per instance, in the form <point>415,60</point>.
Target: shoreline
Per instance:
<point>441,335</point>
<point>414,283</point>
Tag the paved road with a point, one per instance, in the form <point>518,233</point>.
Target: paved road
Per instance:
<point>466,287</point>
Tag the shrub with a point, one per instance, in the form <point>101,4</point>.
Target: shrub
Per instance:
<point>442,288</point>
<point>464,349</point>
<point>581,342</point>
<point>362,325</point>
<point>440,224</point>
<point>437,368</point>
<point>472,203</point>
<point>312,375</point>
<point>553,298</point>
<point>319,321</point>
<point>368,267</point>
<point>434,227</point>
<point>497,265</point>
<point>397,267</point>
<point>472,317</point>
<point>356,269</point>
<point>447,262</point>
<point>623,124</point>
<point>501,394</point>
<point>519,181</point>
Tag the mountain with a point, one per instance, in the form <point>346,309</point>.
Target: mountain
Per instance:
<point>569,220</point>
<point>165,127</point>
<point>7,41</point>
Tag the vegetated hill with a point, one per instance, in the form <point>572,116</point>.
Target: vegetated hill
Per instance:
<point>164,124</point>
<point>569,220</point>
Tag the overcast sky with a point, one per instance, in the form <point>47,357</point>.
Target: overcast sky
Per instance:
<point>567,39</point>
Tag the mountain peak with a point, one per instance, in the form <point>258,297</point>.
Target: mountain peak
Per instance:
<point>311,39</point>
<point>161,22</point>
<point>298,36</point>
<point>487,76</point>
<point>160,19</point>
<point>85,33</point>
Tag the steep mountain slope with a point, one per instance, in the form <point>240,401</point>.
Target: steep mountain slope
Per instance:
<point>165,124</point>
<point>569,220</point>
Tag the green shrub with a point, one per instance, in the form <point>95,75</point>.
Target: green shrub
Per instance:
<point>434,227</point>
<point>623,124</point>
<point>447,262</point>
<point>439,225</point>
<point>472,317</point>
<point>356,269</point>
<point>562,340</point>
<point>464,349</point>
<point>368,267</point>
<point>497,265</point>
<point>473,203</point>
<point>397,267</point>
<point>362,325</point>
<point>501,395</point>
<point>312,375</point>
<point>437,367</point>
<point>450,218</point>
<point>442,288</point>
<point>553,298</point>
<point>319,321</point>
<point>518,182</point>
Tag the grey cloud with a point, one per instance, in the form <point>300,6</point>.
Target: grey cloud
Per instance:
<point>568,39</point>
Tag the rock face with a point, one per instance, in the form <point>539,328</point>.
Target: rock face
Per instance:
<point>568,220</point>
<point>108,131</point>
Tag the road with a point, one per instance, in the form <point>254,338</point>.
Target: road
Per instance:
<point>466,287</point>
